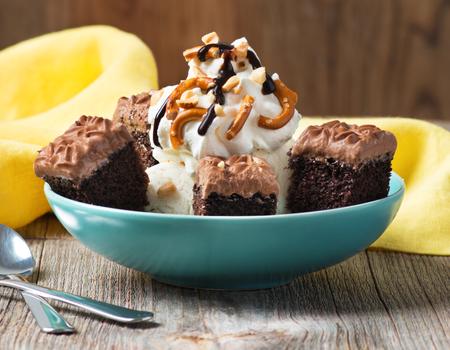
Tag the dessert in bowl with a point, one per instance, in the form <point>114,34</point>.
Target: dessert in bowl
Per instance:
<point>202,184</point>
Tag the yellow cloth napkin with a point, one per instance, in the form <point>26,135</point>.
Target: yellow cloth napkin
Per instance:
<point>422,159</point>
<point>48,82</point>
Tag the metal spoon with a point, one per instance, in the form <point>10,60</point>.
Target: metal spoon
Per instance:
<point>15,258</point>
<point>48,319</point>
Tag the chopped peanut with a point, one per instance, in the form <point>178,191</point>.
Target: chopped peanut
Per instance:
<point>231,83</point>
<point>210,38</point>
<point>241,49</point>
<point>219,110</point>
<point>237,90</point>
<point>259,75</point>
<point>166,190</point>
<point>188,99</point>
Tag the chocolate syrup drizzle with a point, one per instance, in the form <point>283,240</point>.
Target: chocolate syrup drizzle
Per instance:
<point>225,72</point>
<point>157,121</point>
<point>268,85</point>
<point>207,120</point>
<point>203,51</point>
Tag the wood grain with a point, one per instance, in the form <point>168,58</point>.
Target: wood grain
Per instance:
<point>344,57</point>
<point>374,300</point>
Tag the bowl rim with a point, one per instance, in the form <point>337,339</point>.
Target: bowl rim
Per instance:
<point>55,197</point>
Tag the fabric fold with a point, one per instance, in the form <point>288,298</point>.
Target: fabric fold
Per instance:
<point>422,224</point>
<point>46,84</point>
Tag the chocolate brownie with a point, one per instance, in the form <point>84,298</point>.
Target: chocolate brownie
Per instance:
<point>95,161</point>
<point>133,113</point>
<point>237,186</point>
<point>335,165</point>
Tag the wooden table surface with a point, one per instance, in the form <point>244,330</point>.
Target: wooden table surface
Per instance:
<point>376,299</point>
<point>373,300</point>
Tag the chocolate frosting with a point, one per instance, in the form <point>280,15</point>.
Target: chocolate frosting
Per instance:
<point>81,149</point>
<point>241,174</point>
<point>133,112</point>
<point>349,143</point>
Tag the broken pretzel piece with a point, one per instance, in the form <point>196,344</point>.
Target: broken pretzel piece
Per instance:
<point>186,116</point>
<point>203,83</point>
<point>288,100</point>
<point>191,53</point>
<point>244,111</point>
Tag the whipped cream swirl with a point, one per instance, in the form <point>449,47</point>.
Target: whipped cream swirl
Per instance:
<point>249,139</point>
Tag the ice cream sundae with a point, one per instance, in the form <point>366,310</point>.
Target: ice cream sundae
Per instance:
<point>220,142</point>
<point>228,105</point>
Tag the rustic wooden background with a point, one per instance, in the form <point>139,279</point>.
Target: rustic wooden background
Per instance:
<point>344,57</point>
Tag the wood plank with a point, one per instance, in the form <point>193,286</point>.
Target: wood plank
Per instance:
<point>400,288</point>
<point>433,275</point>
<point>16,322</point>
<point>355,297</point>
<point>352,57</point>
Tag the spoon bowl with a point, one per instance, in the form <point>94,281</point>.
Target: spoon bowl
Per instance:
<point>15,255</point>
<point>16,259</point>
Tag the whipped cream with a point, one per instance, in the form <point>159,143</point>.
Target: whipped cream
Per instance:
<point>250,139</point>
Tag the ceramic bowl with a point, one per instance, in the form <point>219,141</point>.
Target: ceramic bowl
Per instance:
<point>228,252</point>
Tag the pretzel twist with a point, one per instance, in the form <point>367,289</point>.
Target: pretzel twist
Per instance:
<point>288,100</point>
<point>191,53</point>
<point>244,111</point>
<point>172,107</point>
<point>186,116</point>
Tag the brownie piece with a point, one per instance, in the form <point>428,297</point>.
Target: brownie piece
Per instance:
<point>336,165</point>
<point>238,186</point>
<point>133,113</point>
<point>95,161</point>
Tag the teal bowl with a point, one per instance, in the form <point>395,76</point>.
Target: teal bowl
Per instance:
<point>228,252</point>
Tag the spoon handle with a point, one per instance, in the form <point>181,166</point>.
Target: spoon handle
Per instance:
<point>113,312</point>
<point>48,319</point>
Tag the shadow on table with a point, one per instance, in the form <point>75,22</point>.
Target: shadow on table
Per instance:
<point>367,284</point>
